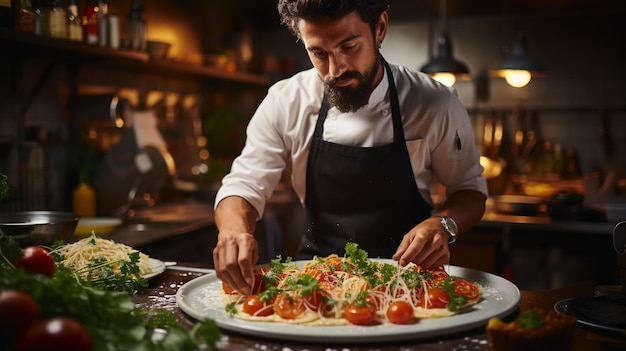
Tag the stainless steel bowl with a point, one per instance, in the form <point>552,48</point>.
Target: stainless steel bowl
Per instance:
<point>39,227</point>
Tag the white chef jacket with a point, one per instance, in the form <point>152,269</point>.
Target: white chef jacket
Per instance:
<point>437,129</point>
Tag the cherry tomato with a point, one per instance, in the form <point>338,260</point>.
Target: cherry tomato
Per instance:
<point>259,284</point>
<point>374,300</point>
<point>466,288</point>
<point>59,333</point>
<point>316,301</point>
<point>360,315</point>
<point>436,298</point>
<point>18,311</point>
<point>37,260</point>
<point>400,312</point>
<point>289,307</point>
<point>228,289</point>
<point>253,306</point>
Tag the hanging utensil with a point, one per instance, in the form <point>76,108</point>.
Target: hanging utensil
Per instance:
<point>619,237</point>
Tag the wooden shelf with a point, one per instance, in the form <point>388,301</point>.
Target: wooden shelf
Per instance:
<point>25,44</point>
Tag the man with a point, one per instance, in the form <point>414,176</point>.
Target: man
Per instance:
<point>363,141</point>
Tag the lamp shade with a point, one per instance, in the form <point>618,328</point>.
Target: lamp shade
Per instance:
<point>519,66</point>
<point>444,62</point>
<point>519,59</point>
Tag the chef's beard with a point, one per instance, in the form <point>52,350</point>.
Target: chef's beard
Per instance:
<point>348,98</point>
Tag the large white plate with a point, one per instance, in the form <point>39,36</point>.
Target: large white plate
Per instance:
<point>201,298</point>
<point>156,267</point>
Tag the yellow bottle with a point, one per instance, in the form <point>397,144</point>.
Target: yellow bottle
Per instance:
<point>84,200</point>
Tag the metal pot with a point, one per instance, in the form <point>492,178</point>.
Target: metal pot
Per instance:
<point>39,227</point>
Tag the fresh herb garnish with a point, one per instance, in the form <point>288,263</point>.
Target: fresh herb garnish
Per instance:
<point>456,301</point>
<point>530,320</point>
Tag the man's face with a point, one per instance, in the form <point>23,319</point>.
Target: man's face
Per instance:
<point>345,54</point>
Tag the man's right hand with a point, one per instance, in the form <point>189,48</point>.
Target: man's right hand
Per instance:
<point>234,258</point>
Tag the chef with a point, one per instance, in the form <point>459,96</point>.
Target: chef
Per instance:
<point>363,140</point>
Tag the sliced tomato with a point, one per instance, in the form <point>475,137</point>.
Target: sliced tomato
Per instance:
<point>439,275</point>
<point>434,298</point>
<point>253,306</point>
<point>364,314</point>
<point>466,288</point>
<point>289,307</point>
<point>400,312</point>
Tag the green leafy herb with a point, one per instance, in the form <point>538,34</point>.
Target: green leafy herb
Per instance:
<point>231,308</point>
<point>456,301</point>
<point>530,320</point>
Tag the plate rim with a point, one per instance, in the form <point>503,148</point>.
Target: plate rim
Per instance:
<point>561,306</point>
<point>157,267</point>
<point>359,334</point>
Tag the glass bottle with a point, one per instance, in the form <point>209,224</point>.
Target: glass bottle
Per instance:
<point>74,26</point>
<point>90,22</point>
<point>137,27</point>
<point>26,17</point>
<point>103,21</point>
<point>40,22</point>
<point>84,200</point>
<point>57,20</point>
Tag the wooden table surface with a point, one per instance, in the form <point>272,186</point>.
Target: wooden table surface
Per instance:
<point>162,294</point>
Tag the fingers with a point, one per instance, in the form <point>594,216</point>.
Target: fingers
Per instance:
<point>234,258</point>
<point>423,246</point>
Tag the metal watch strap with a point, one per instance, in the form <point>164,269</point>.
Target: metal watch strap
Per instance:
<point>449,225</point>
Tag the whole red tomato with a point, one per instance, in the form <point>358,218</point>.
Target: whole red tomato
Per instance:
<point>253,306</point>
<point>400,312</point>
<point>37,260</point>
<point>59,333</point>
<point>18,311</point>
<point>363,314</point>
<point>435,298</point>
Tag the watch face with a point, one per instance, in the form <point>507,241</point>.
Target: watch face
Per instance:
<point>452,225</point>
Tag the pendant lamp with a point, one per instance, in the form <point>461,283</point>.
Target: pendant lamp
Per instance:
<point>444,67</point>
<point>519,67</point>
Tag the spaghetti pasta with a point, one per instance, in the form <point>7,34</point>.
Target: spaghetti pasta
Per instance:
<point>85,252</point>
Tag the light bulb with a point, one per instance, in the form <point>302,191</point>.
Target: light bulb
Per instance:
<point>517,78</point>
<point>445,78</point>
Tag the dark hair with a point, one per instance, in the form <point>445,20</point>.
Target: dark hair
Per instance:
<point>292,11</point>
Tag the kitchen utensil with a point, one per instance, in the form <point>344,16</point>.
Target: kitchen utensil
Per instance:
<point>519,205</point>
<point>39,227</point>
<point>619,237</point>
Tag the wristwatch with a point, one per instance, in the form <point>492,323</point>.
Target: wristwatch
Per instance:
<point>449,225</point>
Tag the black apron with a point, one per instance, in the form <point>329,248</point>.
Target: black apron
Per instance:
<point>365,195</point>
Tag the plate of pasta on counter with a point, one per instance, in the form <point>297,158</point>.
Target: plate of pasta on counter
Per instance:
<point>351,299</point>
<point>107,263</point>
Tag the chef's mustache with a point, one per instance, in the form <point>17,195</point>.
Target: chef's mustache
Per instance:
<point>346,75</point>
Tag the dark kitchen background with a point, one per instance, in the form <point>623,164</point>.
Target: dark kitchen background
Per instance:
<point>70,112</point>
